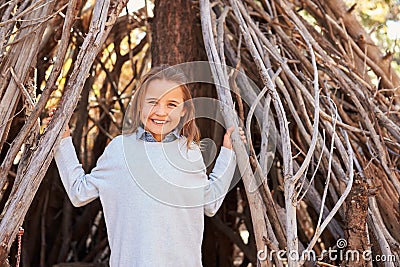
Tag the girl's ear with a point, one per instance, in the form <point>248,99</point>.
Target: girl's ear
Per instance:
<point>183,112</point>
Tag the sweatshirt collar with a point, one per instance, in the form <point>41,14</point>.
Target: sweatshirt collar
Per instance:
<point>146,136</point>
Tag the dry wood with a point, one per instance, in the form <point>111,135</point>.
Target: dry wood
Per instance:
<point>104,16</point>
<point>294,37</point>
<point>222,82</point>
<point>26,51</point>
<point>50,86</point>
<point>314,84</point>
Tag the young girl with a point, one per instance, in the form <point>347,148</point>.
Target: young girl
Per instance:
<point>151,180</point>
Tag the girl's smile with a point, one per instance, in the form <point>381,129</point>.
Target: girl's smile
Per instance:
<point>163,108</point>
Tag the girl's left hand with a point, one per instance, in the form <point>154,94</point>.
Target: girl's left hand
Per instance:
<point>227,137</point>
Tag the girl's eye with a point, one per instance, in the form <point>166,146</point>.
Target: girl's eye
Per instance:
<point>172,105</point>
<point>152,102</point>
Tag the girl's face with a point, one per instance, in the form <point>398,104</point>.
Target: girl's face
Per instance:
<point>163,108</point>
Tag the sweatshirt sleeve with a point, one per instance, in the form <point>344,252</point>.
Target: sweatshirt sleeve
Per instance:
<point>81,188</point>
<point>219,181</point>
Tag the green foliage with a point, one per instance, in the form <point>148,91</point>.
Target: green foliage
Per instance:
<point>381,18</point>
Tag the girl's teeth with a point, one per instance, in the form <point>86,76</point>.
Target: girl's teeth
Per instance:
<point>159,122</point>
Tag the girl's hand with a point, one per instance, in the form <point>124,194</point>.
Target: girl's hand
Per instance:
<point>47,120</point>
<point>227,137</point>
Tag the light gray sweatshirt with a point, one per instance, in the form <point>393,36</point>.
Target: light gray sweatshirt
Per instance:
<point>154,197</point>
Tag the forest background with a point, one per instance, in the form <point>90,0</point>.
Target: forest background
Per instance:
<point>327,73</point>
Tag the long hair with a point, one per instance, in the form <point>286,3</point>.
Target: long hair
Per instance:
<point>187,123</point>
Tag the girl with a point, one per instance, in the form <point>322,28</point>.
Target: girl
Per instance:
<point>151,180</point>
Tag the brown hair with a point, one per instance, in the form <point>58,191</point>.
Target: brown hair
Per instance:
<point>174,74</point>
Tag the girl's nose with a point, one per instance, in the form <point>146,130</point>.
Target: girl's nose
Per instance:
<point>160,110</point>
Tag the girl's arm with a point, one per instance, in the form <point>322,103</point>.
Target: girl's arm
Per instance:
<point>81,188</point>
<point>219,181</point>
<point>221,176</point>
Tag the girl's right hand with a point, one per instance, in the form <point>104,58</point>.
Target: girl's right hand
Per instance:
<point>47,120</point>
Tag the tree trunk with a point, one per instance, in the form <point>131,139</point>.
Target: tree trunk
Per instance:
<point>356,232</point>
<point>176,35</point>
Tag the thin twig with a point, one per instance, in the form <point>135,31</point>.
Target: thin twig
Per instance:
<point>311,150</point>
<point>22,88</point>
